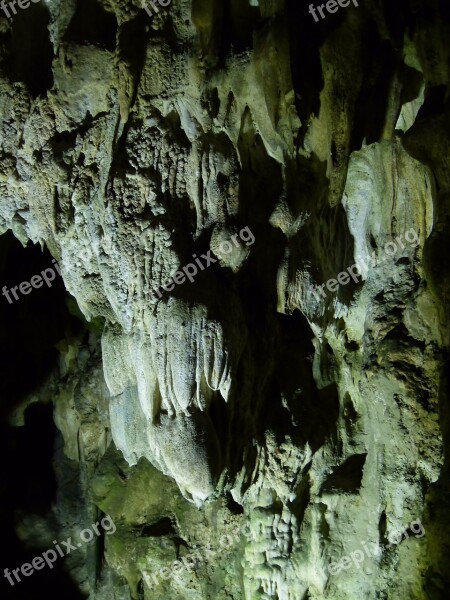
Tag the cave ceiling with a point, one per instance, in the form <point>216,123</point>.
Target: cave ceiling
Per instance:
<point>224,240</point>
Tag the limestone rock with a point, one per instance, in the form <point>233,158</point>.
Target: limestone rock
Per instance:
<point>133,146</point>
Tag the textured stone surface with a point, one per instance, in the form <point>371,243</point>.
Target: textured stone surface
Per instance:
<point>129,144</point>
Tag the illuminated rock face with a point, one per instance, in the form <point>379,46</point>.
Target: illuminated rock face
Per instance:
<point>149,142</point>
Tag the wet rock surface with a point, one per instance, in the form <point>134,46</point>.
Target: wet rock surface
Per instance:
<point>277,397</point>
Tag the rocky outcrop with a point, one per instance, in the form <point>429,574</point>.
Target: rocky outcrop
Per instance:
<point>273,387</point>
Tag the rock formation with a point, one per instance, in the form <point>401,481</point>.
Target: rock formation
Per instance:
<point>274,392</point>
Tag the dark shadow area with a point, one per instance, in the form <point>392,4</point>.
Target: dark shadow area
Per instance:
<point>398,17</point>
<point>162,527</point>
<point>30,328</point>
<point>347,477</point>
<point>350,415</point>
<point>233,506</point>
<point>92,24</point>
<point>302,497</point>
<point>305,39</point>
<point>218,414</point>
<point>225,28</point>
<point>382,528</point>
<point>35,489</point>
<point>311,415</point>
<point>33,323</point>
<point>132,43</point>
<point>261,180</point>
<point>306,36</point>
<point>383,64</point>
<point>30,52</point>
<point>428,141</point>
<point>29,489</point>
<point>239,21</point>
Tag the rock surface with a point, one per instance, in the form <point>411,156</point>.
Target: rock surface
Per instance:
<point>131,145</point>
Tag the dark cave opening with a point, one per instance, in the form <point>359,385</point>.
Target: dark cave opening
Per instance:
<point>32,325</point>
<point>34,322</point>
<point>92,24</point>
<point>240,20</point>
<point>30,55</point>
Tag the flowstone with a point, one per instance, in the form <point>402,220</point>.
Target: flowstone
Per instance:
<point>244,396</point>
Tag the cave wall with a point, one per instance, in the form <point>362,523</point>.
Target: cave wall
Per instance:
<point>319,420</point>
